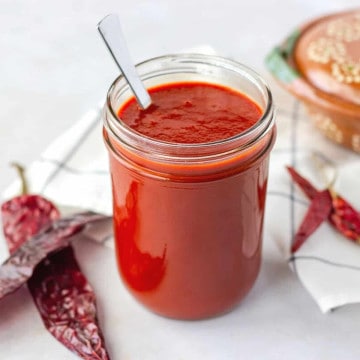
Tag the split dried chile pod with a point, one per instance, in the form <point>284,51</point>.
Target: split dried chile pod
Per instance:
<point>345,218</point>
<point>319,64</point>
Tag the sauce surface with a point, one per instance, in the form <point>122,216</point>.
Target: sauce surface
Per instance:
<point>192,112</point>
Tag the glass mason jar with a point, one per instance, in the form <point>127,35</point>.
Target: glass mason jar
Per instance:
<point>188,218</point>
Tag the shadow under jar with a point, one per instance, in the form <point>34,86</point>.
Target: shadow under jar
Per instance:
<point>188,217</point>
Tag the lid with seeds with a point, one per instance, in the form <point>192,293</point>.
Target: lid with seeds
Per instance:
<point>328,55</point>
<point>319,63</point>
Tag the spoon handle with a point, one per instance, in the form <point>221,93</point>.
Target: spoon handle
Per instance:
<point>110,30</point>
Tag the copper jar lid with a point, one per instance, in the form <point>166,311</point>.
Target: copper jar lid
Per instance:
<point>319,63</point>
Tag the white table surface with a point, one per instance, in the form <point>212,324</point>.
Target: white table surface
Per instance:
<point>53,68</point>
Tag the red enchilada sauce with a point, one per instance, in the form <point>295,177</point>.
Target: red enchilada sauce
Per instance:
<point>192,113</point>
<point>189,247</point>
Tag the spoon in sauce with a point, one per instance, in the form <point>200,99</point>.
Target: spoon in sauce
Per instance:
<point>110,30</point>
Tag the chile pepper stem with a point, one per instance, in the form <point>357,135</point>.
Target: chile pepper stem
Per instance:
<point>321,163</point>
<point>21,172</point>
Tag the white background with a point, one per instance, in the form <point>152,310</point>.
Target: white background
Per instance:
<point>53,68</point>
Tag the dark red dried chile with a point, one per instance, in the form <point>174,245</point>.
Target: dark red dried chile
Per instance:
<point>24,216</point>
<point>67,304</point>
<point>64,298</point>
<point>18,268</point>
<point>342,214</point>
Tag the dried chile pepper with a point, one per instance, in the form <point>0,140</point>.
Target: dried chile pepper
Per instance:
<point>64,298</point>
<point>305,185</point>
<point>345,218</point>
<point>67,304</point>
<point>319,210</point>
<point>342,214</point>
<point>19,267</point>
<point>25,215</point>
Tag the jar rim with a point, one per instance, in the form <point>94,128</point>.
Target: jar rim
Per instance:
<point>160,148</point>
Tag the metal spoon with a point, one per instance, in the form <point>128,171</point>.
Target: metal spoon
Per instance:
<point>110,31</point>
